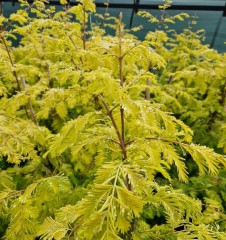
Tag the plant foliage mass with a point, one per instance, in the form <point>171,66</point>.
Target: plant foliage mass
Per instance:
<point>81,149</point>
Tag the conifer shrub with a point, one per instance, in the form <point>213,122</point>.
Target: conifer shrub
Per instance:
<point>193,87</point>
<point>81,150</point>
<point>193,84</point>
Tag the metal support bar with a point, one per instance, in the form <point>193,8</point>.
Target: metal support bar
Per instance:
<point>136,5</point>
<point>145,6</point>
<point>135,10</point>
<point>218,27</point>
<point>224,13</point>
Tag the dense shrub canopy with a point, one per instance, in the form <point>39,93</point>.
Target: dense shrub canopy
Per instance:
<point>83,154</point>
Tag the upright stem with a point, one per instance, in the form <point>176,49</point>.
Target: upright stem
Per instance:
<point>11,61</point>
<point>121,143</point>
<point>75,46</point>
<point>120,134</point>
<point>120,58</point>
<point>122,114</point>
<point>29,105</point>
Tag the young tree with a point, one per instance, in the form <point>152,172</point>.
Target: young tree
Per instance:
<point>80,147</point>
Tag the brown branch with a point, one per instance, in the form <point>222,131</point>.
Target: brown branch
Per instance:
<point>109,113</point>
<point>114,141</point>
<point>11,61</point>
<point>123,130</point>
<point>12,65</point>
<point>36,50</point>
<point>72,231</point>
<point>114,107</point>
<point>120,58</point>
<point>71,39</point>
<point>74,63</point>
<point>122,114</point>
<point>13,194</point>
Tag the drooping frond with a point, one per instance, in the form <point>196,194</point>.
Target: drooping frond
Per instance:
<point>27,207</point>
<point>18,139</point>
<point>52,229</point>
<point>201,231</point>
<point>69,134</point>
<point>206,159</point>
<point>177,205</point>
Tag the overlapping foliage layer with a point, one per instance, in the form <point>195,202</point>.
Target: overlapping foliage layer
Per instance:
<point>83,154</point>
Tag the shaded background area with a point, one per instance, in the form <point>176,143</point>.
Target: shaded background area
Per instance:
<point>209,14</point>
